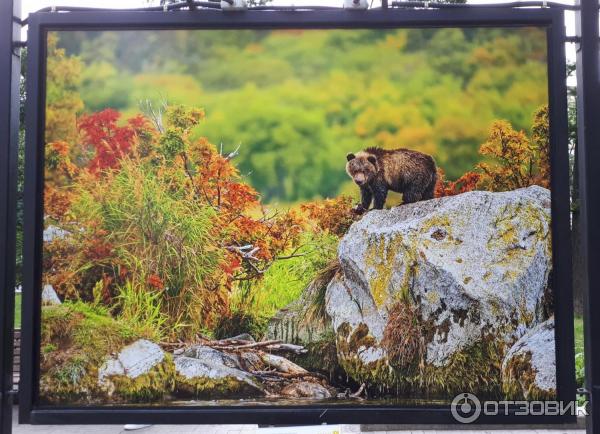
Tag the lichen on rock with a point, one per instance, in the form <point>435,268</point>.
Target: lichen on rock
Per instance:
<point>474,268</point>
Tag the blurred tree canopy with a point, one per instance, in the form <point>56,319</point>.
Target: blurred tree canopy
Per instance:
<point>296,101</point>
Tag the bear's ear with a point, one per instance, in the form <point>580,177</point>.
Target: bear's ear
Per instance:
<point>372,159</point>
<point>350,156</point>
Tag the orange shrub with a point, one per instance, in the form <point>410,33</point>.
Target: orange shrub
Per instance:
<point>467,182</point>
<point>331,215</point>
<point>514,160</point>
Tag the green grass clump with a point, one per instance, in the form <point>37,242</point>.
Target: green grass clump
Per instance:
<point>254,305</point>
<point>75,340</point>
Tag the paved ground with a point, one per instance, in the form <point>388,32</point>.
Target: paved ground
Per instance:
<point>242,429</point>
<point>253,429</point>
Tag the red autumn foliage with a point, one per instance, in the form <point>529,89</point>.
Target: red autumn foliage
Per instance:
<point>467,182</point>
<point>155,281</point>
<point>110,142</point>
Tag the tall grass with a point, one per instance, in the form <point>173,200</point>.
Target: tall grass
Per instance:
<point>254,304</point>
<point>142,308</point>
<point>164,243</point>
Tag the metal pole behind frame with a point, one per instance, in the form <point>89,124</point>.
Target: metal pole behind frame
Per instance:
<point>9,136</point>
<point>588,110</point>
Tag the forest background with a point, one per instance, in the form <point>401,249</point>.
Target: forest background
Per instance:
<point>295,102</point>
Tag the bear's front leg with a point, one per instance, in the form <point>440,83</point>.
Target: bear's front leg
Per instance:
<point>379,195</point>
<point>365,200</point>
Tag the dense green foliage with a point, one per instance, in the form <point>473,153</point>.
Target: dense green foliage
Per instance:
<point>297,101</point>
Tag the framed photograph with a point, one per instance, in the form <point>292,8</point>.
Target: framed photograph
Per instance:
<point>296,217</point>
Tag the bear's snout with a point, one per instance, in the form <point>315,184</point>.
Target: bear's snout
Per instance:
<point>360,179</point>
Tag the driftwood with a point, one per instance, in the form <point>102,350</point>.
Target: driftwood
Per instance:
<point>359,392</point>
<point>283,375</point>
<point>282,364</point>
<point>272,345</point>
<point>237,345</point>
<point>356,395</point>
<point>279,376</point>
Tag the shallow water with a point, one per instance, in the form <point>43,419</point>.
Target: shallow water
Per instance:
<point>260,402</point>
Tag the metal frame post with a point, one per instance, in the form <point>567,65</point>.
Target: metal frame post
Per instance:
<point>9,136</point>
<point>588,107</point>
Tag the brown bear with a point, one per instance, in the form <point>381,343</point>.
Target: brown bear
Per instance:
<point>377,170</point>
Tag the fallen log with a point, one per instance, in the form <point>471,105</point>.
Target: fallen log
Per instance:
<point>281,364</point>
<point>286,376</point>
<point>273,345</point>
<point>225,346</point>
<point>287,348</point>
<point>359,392</point>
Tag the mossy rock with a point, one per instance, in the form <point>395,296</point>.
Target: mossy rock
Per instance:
<point>76,339</point>
<point>474,272</point>
<point>201,379</point>
<point>140,372</point>
<point>529,367</point>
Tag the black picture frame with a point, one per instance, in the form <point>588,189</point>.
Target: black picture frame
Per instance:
<point>40,23</point>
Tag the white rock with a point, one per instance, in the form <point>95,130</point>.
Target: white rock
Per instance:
<point>49,296</point>
<point>52,232</point>
<point>132,361</point>
<point>535,356</point>
<point>211,356</point>
<point>475,265</point>
<point>212,373</point>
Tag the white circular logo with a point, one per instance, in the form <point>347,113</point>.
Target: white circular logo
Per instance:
<point>465,408</point>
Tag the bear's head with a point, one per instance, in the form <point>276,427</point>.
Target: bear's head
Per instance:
<point>361,167</point>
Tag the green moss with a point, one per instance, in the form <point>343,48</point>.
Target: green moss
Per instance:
<point>76,338</point>
<point>476,368</point>
<point>321,356</point>
<point>380,255</point>
<point>206,388</point>
<point>152,386</point>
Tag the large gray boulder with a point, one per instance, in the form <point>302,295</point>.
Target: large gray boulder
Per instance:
<point>431,293</point>
<point>529,367</point>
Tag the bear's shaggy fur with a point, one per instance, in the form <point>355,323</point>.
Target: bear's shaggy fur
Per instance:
<point>376,171</point>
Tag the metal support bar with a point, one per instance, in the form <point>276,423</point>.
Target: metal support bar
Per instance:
<point>588,148</point>
<point>385,4</point>
<point>515,4</point>
<point>9,135</point>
